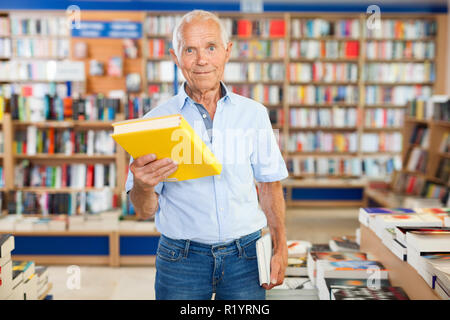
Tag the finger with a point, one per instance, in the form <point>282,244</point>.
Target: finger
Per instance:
<point>274,272</point>
<point>166,172</point>
<point>155,165</point>
<point>143,160</point>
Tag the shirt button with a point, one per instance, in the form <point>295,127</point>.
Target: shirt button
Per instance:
<point>204,116</point>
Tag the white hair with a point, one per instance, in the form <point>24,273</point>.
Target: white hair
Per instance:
<point>202,15</point>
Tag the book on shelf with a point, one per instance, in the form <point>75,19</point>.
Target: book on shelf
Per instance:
<point>264,257</point>
<point>133,82</point>
<point>344,243</point>
<point>367,216</point>
<point>334,284</point>
<point>161,25</point>
<point>296,266</point>
<point>315,256</point>
<point>4,27</point>
<point>96,68</point>
<point>320,141</point>
<point>6,279</point>
<point>159,48</point>
<point>417,160</point>
<point>445,143</point>
<point>5,48</point>
<point>80,50</point>
<point>115,66</point>
<point>435,107</point>
<point>41,48</point>
<point>298,248</point>
<point>137,107</point>
<point>364,293</point>
<point>327,118</point>
<point>198,162</point>
<point>130,47</point>
<point>399,72</point>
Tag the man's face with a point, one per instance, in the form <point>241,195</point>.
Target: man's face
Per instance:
<point>202,56</point>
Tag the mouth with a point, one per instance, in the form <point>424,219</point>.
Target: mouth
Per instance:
<point>202,72</point>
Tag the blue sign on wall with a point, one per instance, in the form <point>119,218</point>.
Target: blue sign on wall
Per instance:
<point>108,29</point>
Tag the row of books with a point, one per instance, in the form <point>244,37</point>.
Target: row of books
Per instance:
<point>436,107</point>
<point>328,49</point>
<point>310,94</point>
<point>162,71</point>
<point>41,48</point>
<point>394,95</point>
<point>70,203</point>
<point>114,67</point>
<point>258,27</point>
<point>417,160</point>
<point>417,185</point>
<point>138,106</point>
<point>443,170</point>
<point>74,176</point>
<point>323,72</point>
<point>400,49</point>
<point>263,93</point>
<point>161,25</point>
<point>4,27</point>
<point>399,72</point>
<point>35,140</point>
<point>39,26</point>
<point>445,143</point>
<point>338,166</point>
<point>36,109</point>
<point>276,116</point>
<point>315,28</point>
<point>254,72</point>
<point>319,141</point>
<point>384,118</point>
<point>327,117</point>
<point>38,70</point>
<point>413,29</point>
<point>418,236</point>
<point>159,48</point>
<point>20,279</point>
<point>101,221</point>
<point>381,142</point>
<point>2,179</point>
<point>5,48</point>
<point>2,142</point>
<point>38,90</point>
<point>258,49</point>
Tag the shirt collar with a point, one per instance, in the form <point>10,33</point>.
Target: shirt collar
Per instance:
<point>183,98</point>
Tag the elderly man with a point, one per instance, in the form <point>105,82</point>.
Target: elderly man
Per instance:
<point>209,226</point>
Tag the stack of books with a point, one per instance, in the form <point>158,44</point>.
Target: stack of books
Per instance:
<point>107,220</point>
<point>30,280</point>
<point>6,272</point>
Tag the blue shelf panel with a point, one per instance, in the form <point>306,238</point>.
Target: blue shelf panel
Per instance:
<point>327,194</point>
<point>138,245</point>
<point>61,245</point>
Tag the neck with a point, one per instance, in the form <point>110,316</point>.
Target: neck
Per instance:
<point>208,98</point>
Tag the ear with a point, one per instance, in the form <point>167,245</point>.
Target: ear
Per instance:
<point>174,57</point>
<point>228,51</point>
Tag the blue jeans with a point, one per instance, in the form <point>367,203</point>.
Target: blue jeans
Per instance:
<point>192,270</point>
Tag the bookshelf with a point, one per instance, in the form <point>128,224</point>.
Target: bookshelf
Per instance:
<point>424,173</point>
<point>296,96</point>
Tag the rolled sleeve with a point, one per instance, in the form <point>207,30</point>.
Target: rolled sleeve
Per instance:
<point>266,159</point>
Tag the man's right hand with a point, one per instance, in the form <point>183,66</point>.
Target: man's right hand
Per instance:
<point>148,172</point>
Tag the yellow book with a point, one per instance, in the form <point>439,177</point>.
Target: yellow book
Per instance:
<point>168,137</point>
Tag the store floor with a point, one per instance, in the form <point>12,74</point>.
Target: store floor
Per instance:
<point>315,225</point>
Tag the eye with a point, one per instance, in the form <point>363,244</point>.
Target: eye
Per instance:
<point>212,48</point>
<point>189,50</point>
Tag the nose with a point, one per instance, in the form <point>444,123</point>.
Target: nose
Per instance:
<point>201,58</point>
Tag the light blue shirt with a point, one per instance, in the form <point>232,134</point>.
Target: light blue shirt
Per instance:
<point>223,207</point>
